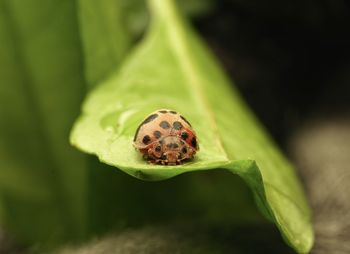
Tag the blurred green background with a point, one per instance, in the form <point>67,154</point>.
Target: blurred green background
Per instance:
<point>289,59</point>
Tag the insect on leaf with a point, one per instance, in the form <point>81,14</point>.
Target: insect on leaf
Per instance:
<point>172,68</point>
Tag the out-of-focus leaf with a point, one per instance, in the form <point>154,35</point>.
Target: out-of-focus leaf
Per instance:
<point>136,15</point>
<point>42,179</point>
<point>195,8</point>
<point>105,37</point>
<point>173,69</point>
<point>45,185</point>
<point>108,28</point>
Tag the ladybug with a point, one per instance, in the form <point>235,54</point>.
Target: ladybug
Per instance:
<point>166,137</point>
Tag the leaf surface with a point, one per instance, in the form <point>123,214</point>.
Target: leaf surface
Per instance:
<point>105,38</point>
<point>173,69</point>
<point>42,180</point>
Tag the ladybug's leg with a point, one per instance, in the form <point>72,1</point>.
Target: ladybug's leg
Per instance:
<point>158,161</point>
<point>149,156</point>
<point>151,161</point>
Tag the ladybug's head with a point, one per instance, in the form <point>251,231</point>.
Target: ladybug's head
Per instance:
<point>171,150</point>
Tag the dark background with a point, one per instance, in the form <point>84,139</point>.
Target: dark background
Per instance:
<point>289,59</point>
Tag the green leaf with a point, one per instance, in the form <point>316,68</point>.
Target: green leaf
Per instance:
<point>109,27</point>
<point>136,16</point>
<point>173,69</point>
<point>42,179</point>
<point>104,36</point>
<point>44,182</point>
<point>195,8</point>
<point>106,28</point>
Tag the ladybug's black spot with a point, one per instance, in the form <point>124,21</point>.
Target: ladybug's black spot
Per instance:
<point>163,157</point>
<point>183,118</point>
<point>147,120</point>
<point>162,111</point>
<point>146,139</point>
<point>177,125</point>
<point>184,135</point>
<point>150,119</point>
<point>194,142</point>
<point>164,125</point>
<point>184,150</point>
<point>158,149</point>
<point>172,112</point>
<point>157,134</point>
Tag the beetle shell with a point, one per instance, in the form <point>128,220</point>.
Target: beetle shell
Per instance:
<point>166,137</point>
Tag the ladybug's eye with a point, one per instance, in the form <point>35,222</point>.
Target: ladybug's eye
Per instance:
<point>184,135</point>
<point>172,145</point>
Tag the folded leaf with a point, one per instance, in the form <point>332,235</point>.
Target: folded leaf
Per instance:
<point>173,69</point>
